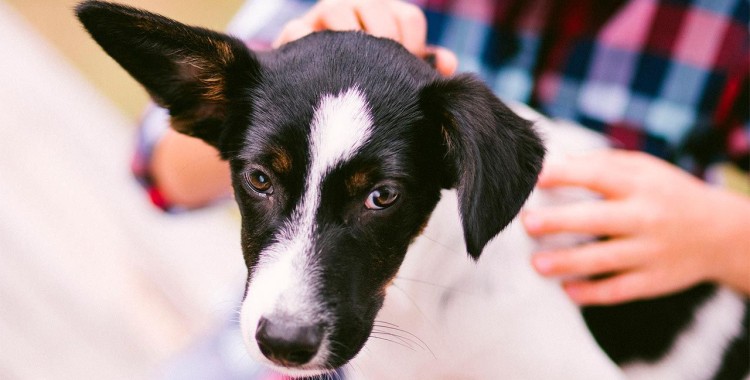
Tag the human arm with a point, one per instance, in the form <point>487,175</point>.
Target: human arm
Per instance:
<point>187,171</point>
<point>665,230</point>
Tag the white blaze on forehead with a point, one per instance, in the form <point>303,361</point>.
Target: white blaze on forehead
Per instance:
<point>286,281</point>
<point>340,126</point>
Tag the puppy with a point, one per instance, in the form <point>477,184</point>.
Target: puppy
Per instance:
<point>347,152</point>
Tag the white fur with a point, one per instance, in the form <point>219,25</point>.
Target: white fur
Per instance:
<point>285,281</point>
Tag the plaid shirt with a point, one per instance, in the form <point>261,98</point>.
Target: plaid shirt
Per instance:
<point>669,77</point>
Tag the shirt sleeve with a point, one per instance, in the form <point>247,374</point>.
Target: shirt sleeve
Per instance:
<point>257,23</point>
<point>725,139</point>
<point>738,125</point>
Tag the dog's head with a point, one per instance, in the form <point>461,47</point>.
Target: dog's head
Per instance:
<point>339,145</point>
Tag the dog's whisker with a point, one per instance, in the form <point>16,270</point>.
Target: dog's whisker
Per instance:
<point>354,367</point>
<point>403,339</point>
<point>326,375</point>
<point>334,371</point>
<point>421,343</point>
<point>418,339</point>
<point>443,287</point>
<point>438,243</point>
<point>333,375</point>
<point>392,341</point>
<point>416,306</point>
<point>338,375</point>
<point>333,345</point>
<point>362,372</point>
<point>386,323</point>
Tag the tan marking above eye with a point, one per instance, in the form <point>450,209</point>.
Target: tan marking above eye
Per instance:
<point>357,182</point>
<point>281,161</point>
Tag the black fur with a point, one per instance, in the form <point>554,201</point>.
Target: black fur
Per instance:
<point>644,330</point>
<point>193,72</point>
<point>488,172</point>
<point>736,363</point>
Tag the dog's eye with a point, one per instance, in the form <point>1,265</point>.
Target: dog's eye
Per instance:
<point>259,182</point>
<point>381,198</point>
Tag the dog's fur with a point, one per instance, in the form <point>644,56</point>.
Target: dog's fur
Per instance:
<point>341,145</point>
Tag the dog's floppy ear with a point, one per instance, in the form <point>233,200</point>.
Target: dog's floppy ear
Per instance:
<point>188,70</point>
<point>493,156</point>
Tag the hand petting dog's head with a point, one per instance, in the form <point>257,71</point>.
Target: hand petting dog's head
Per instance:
<point>339,145</point>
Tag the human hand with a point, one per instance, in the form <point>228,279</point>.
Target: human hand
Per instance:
<point>664,230</point>
<point>394,19</point>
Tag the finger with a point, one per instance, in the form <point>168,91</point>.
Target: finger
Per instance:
<point>621,288</point>
<point>412,26</point>
<point>595,217</point>
<point>293,30</point>
<point>378,20</point>
<point>443,60</point>
<point>597,258</point>
<point>332,16</point>
<point>594,171</point>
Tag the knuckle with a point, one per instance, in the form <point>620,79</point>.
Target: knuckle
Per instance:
<point>293,30</point>
<point>548,222</point>
<point>596,223</point>
<point>654,216</point>
<point>412,15</point>
<point>332,8</point>
<point>615,292</point>
<point>603,262</point>
<point>294,24</point>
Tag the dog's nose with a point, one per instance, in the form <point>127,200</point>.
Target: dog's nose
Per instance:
<point>288,343</point>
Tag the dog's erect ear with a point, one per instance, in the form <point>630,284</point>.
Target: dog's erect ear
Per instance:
<point>493,155</point>
<point>191,71</point>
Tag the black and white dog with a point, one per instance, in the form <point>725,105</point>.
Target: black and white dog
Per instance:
<point>343,150</point>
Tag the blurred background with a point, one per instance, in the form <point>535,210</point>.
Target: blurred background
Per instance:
<point>94,281</point>
<point>53,20</point>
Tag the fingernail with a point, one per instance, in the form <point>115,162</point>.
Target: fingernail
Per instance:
<point>555,161</point>
<point>542,264</point>
<point>573,291</point>
<point>531,221</point>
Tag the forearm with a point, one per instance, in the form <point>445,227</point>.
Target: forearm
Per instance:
<point>188,172</point>
<point>733,256</point>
